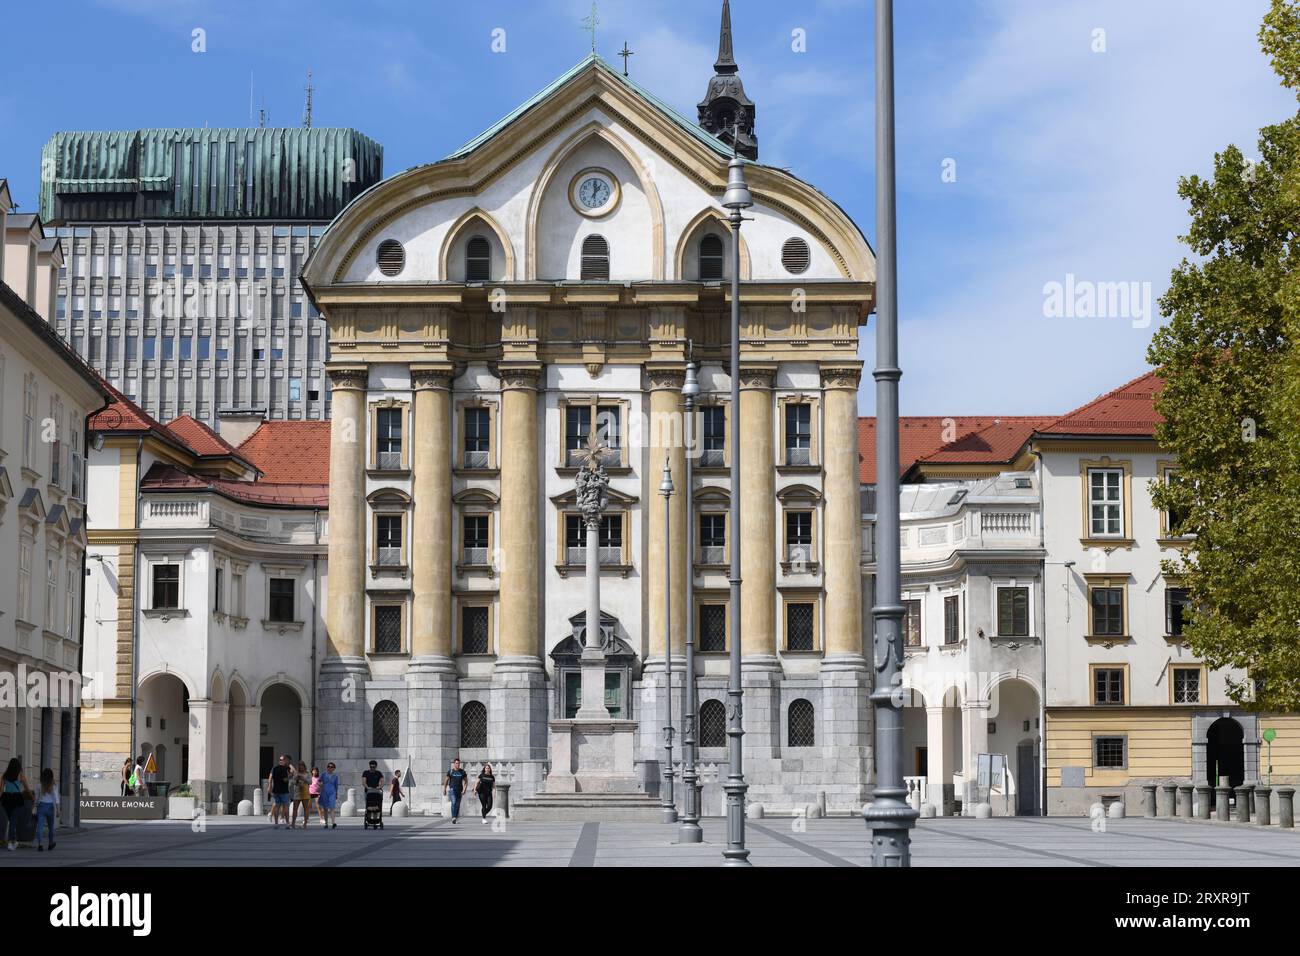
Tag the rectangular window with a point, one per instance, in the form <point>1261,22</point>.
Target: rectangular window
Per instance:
<point>713,628</point>
<point>610,539</point>
<point>237,594</point>
<point>799,626</point>
<point>476,539</point>
<point>477,442</point>
<point>798,434</point>
<point>1187,685</point>
<point>1105,502</point>
<point>577,429</point>
<point>295,389</point>
<point>187,348</point>
<point>952,619</point>
<point>1108,685</point>
<point>205,347</point>
<point>1109,753</point>
<point>1108,612</point>
<point>168,347</point>
<point>713,438</point>
<point>798,536</point>
<point>216,590</point>
<point>912,623</point>
<point>474,637</point>
<point>1013,612</point>
<point>713,539</point>
<point>388,629</point>
<point>388,442</point>
<point>1177,601</point>
<point>280,606</point>
<point>388,540</point>
<point>166,586</point>
<point>577,426</point>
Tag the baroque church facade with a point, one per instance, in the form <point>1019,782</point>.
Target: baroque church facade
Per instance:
<point>486,314</point>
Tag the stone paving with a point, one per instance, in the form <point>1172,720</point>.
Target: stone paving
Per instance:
<point>424,841</point>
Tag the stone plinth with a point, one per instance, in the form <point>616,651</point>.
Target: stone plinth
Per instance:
<point>593,756</point>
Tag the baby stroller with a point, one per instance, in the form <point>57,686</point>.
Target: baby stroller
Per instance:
<point>374,808</point>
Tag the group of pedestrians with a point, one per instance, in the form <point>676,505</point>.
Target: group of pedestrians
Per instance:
<point>456,782</point>
<point>291,788</point>
<point>133,782</point>
<point>13,798</point>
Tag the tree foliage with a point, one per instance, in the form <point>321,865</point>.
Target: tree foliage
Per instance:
<point>1230,358</point>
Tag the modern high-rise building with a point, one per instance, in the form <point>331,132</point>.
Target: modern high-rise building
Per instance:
<point>183,248</point>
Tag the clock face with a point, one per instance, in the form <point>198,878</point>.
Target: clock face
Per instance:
<point>594,192</point>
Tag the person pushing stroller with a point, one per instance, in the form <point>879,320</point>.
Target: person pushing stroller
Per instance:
<point>373,781</point>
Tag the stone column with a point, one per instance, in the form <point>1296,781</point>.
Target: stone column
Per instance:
<point>1243,803</point>
<point>1168,799</point>
<point>666,439</point>
<point>939,768</point>
<point>1203,792</point>
<point>517,718</point>
<point>433,700</point>
<point>1185,801</point>
<point>252,744</point>
<point>202,751</point>
<point>1148,799</point>
<point>975,741</point>
<point>1222,801</point>
<point>758,504</point>
<point>344,670</point>
<point>1285,807</point>
<point>846,681</point>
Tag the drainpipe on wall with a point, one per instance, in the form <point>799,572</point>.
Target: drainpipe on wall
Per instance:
<point>1042,698</point>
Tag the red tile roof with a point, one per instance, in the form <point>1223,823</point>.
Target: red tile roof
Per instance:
<point>200,437</point>
<point>161,477</point>
<point>922,436</point>
<point>290,452</point>
<point>124,415</point>
<point>996,443</point>
<point>1127,411</point>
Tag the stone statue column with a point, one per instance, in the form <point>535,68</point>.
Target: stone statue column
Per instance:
<point>593,494</point>
<point>340,692</point>
<point>666,439</point>
<point>431,547</point>
<point>842,520</point>
<point>758,502</point>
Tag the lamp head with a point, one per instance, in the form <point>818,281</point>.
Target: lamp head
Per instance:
<point>737,195</point>
<point>691,384</point>
<point>666,486</point>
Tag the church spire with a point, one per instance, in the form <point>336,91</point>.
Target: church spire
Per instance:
<point>725,105</point>
<point>726,60</point>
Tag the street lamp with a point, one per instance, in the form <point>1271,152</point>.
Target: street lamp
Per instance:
<point>689,831</point>
<point>888,815</point>
<point>736,199</point>
<point>666,489</point>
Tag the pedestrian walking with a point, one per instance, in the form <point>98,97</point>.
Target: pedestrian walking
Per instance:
<point>127,788</point>
<point>301,795</point>
<point>395,791</point>
<point>47,806</point>
<point>11,800</point>
<point>329,796</point>
<point>487,782</point>
<point>278,783</point>
<point>138,784</point>
<point>455,784</point>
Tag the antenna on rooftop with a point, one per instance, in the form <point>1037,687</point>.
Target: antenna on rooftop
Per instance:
<point>306,113</point>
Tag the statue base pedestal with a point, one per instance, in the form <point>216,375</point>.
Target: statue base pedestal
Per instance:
<point>593,775</point>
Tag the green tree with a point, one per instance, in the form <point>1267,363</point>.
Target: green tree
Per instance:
<point>1230,358</point>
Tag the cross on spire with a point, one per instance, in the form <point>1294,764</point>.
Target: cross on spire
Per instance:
<point>590,23</point>
<point>625,53</point>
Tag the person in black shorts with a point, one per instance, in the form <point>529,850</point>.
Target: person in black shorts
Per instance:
<point>278,782</point>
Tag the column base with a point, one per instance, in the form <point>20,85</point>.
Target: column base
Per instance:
<point>517,719</point>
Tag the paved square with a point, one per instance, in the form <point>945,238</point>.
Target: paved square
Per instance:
<point>416,841</point>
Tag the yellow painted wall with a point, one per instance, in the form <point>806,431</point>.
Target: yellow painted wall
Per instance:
<point>1286,746</point>
<point>108,731</point>
<point>1159,743</point>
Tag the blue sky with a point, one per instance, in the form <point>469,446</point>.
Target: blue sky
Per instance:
<point>1066,159</point>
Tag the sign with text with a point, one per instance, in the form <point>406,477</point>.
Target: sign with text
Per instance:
<point>123,808</point>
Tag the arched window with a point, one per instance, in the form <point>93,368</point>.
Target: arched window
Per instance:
<point>802,731</point>
<point>478,260</point>
<point>473,725</point>
<point>711,256</point>
<point>386,720</point>
<point>595,259</point>
<point>713,724</point>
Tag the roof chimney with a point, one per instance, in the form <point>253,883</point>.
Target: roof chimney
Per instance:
<point>235,425</point>
<point>23,233</point>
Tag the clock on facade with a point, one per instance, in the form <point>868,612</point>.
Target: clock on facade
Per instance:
<point>594,192</point>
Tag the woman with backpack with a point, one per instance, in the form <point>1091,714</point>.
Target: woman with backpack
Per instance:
<point>11,800</point>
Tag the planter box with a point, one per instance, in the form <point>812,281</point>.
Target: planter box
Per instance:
<point>181,808</point>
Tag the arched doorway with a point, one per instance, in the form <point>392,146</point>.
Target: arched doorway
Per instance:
<point>1225,754</point>
<point>281,727</point>
<point>163,726</point>
<point>1013,731</point>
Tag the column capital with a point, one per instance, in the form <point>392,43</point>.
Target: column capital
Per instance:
<point>842,376</point>
<point>348,377</point>
<point>665,378</point>
<point>755,377</point>
<point>519,377</point>
<point>432,376</point>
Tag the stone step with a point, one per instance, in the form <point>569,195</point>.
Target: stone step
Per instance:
<point>594,807</point>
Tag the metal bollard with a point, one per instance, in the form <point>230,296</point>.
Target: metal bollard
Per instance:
<point>1285,808</point>
<point>1243,803</point>
<point>1185,800</point>
<point>1148,799</point>
<point>1262,809</point>
<point>503,791</point>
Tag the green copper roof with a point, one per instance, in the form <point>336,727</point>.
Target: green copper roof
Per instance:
<point>274,174</point>
<point>594,58</point>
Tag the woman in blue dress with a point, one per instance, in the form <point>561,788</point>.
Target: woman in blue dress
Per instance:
<point>329,797</point>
